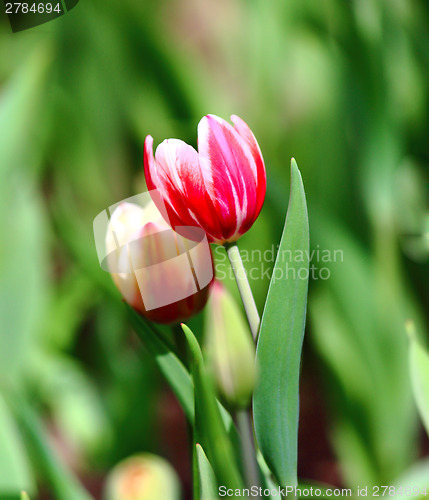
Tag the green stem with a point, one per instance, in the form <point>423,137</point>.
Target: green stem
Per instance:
<point>243,417</point>
<point>244,288</point>
<point>251,471</point>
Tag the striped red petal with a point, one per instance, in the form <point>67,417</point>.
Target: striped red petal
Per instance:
<point>261,181</point>
<point>227,161</point>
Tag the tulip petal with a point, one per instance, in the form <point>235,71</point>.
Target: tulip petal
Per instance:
<point>155,183</point>
<point>227,162</point>
<point>186,192</point>
<point>149,164</point>
<point>244,131</point>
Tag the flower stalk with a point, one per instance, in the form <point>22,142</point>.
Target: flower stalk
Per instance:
<point>244,288</point>
<point>245,427</point>
<point>243,417</point>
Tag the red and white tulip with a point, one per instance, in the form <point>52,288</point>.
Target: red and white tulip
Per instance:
<point>220,188</point>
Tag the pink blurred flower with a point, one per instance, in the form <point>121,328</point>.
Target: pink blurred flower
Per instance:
<point>220,188</point>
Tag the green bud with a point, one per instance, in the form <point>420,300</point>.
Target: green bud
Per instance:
<point>230,349</point>
<point>142,477</point>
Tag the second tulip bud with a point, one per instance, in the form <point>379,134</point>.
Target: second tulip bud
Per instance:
<point>230,348</point>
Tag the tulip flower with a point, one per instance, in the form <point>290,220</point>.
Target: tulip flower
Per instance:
<point>161,274</point>
<point>220,188</point>
<point>230,349</point>
<point>143,477</point>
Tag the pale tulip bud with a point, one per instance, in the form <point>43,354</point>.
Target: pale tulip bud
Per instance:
<point>230,348</point>
<point>163,275</point>
<point>142,477</point>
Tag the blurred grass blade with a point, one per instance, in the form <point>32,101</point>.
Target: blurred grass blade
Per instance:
<point>209,427</point>
<point>170,365</point>
<point>335,341</point>
<point>24,496</point>
<point>14,468</point>
<point>276,398</point>
<point>351,328</point>
<point>23,253</point>
<point>22,102</point>
<point>62,482</point>
<point>208,483</point>
<point>419,369</point>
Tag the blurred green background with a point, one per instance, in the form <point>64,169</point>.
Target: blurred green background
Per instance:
<point>343,86</point>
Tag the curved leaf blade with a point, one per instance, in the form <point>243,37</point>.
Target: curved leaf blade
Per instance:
<point>209,428</point>
<point>208,483</point>
<point>276,397</point>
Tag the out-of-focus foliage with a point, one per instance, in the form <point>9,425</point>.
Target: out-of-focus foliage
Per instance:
<point>341,86</point>
<point>13,462</point>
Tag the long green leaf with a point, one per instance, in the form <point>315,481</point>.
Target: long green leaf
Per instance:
<point>170,365</point>
<point>208,483</point>
<point>210,430</point>
<point>276,398</point>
